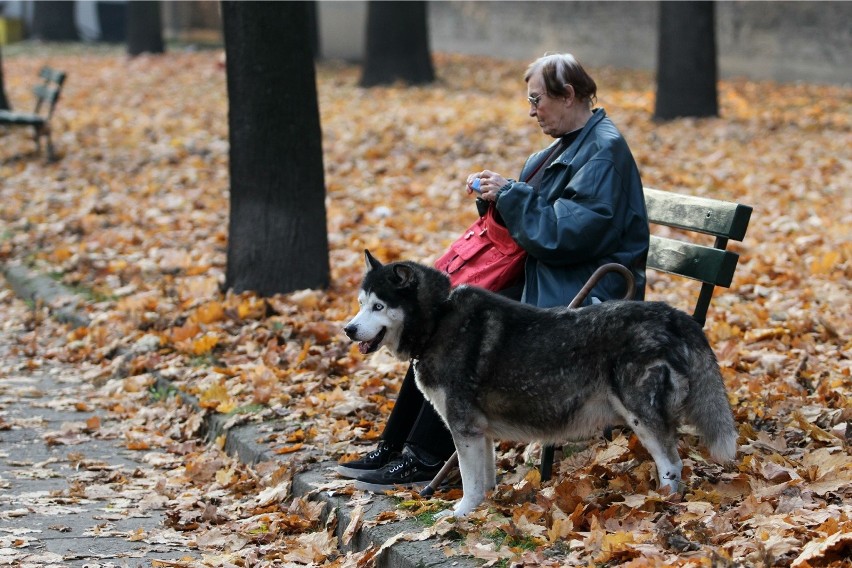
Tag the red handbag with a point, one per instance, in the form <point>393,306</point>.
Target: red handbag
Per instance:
<point>486,255</point>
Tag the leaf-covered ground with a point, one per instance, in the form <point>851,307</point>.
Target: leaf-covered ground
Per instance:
<point>134,217</point>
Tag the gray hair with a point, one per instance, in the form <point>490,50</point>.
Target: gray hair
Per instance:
<point>559,69</point>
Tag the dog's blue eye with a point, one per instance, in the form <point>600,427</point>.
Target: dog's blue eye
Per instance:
<point>378,307</point>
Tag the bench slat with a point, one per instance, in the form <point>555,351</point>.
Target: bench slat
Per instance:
<point>26,118</point>
<point>52,75</point>
<point>710,216</point>
<point>698,262</point>
<point>47,94</point>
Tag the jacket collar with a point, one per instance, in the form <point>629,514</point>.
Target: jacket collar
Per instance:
<point>598,115</point>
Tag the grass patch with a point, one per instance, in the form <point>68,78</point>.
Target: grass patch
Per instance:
<point>90,294</point>
<point>205,360</point>
<point>247,409</point>
<point>159,393</point>
<point>500,538</point>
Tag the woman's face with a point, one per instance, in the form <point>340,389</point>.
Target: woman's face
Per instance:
<point>551,113</point>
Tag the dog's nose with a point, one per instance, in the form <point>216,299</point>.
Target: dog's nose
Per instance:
<point>350,331</point>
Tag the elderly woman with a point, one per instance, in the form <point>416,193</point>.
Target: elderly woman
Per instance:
<point>577,204</point>
<point>585,207</point>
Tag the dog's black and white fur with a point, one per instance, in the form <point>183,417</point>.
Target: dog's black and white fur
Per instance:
<point>498,369</point>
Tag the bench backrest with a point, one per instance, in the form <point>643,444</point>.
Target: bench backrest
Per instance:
<point>48,91</point>
<point>712,266</point>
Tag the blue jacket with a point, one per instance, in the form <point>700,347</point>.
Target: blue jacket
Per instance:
<point>589,210</point>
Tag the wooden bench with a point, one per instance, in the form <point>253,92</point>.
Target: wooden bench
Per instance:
<point>710,265</point>
<point>47,95</point>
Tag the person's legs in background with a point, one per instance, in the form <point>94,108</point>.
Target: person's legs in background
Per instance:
<point>408,403</point>
<point>428,446</point>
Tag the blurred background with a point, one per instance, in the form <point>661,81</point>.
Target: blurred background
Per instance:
<point>779,41</point>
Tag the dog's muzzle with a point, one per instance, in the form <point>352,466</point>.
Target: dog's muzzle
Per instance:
<point>364,346</point>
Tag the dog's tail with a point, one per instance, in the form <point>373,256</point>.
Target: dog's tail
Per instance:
<point>707,407</point>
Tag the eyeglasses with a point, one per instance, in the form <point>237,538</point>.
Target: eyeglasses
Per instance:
<point>535,100</point>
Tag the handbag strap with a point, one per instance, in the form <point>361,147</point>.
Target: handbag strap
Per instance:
<point>557,149</point>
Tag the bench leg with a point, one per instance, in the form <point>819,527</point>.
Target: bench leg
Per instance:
<point>44,130</point>
<point>51,155</point>
<point>546,462</point>
<point>37,138</point>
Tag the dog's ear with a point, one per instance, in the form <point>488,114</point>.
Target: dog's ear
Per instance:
<point>372,263</point>
<point>404,274</point>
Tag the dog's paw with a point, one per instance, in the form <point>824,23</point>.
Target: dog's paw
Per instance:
<point>464,507</point>
<point>460,510</point>
<point>672,483</point>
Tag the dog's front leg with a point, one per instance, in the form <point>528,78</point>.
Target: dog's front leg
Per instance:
<point>472,457</point>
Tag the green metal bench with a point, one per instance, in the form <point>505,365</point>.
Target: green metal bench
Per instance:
<point>47,95</point>
<point>712,266</point>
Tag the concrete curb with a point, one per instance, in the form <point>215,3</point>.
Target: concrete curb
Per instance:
<point>241,442</point>
<point>64,304</point>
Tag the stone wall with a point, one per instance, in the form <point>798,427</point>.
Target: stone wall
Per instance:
<point>781,41</point>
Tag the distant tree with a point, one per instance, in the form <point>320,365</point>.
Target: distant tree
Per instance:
<point>277,240</point>
<point>4,102</point>
<point>53,20</point>
<point>686,62</point>
<point>397,44</point>
<point>313,28</point>
<point>112,21</point>
<point>144,27</point>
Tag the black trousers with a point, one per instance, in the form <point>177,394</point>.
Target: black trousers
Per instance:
<point>413,419</point>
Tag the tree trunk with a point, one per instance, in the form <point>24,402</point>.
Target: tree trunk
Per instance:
<point>144,27</point>
<point>686,61</point>
<point>313,28</point>
<point>277,232</point>
<point>397,44</point>
<point>53,20</point>
<point>4,102</point>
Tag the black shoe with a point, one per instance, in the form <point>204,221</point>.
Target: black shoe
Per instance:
<point>404,471</point>
<point>371,462</point>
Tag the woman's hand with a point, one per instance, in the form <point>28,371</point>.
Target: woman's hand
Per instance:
<point>489,183</point>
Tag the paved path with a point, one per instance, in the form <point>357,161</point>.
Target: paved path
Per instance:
<point>73,494</point>
<point>68,495</point>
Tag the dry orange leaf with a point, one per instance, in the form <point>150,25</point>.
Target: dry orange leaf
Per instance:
<point>204,344</point>
<point>137,444</point>
<point>289,449</point>
<point>210,312</point>
<point>184,332</point>
<point>217,398</point>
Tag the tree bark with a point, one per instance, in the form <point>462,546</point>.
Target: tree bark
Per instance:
<point>53,20</point>
<point>4,102</point>
<point>397,44</point>
<point>686,63</point>
<point>144,27</point>
<point>313,28</point>
<point>277,231</point>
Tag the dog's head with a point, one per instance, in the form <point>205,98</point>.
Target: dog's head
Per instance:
<point>394,299</point>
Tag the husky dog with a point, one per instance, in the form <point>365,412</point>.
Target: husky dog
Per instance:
<point>498,369</point>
